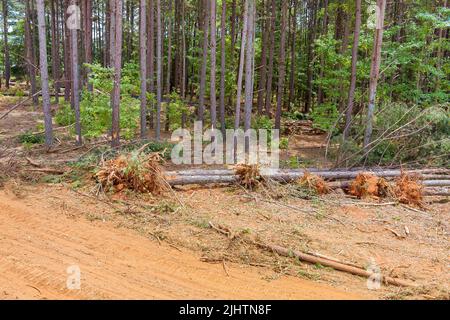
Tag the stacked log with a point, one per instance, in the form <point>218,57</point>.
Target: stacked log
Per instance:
<point>337,178</point>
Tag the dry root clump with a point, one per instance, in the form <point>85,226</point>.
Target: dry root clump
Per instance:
<point>367,185</point>
<point>9,168</point>
<point>314,183</point>
<point>409,190</point>
<point>141,173</point>
<point>249,176</point>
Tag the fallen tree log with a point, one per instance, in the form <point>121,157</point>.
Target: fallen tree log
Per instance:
<point>293,174</point>
<point>200,180</point>
<point>46,170</point>
<point>314,259</point>
<point>445,192</point>
<point>426,183</point>
<point>332,264</point>
<point>210,179</point>
<point>21,103</point>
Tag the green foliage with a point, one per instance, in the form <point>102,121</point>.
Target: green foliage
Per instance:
<point>95,106</point>
<point>284,143</point>
<point>262,122</point>
<point>91,159</point>
<point>295,115</point>
<point>404,134</point>
<point>28,138</point>
<point>324,116</point>
<point>175,109</point>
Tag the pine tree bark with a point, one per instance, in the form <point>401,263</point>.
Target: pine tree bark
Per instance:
<point>115,134</point>
<point>213,64</point>
<point>237,119</point>
<point>44,72</point>
<point>201,99</point>
<point>88,37</point>
<point>375,70</point>
<point>312,6</point>
<point>263,66</point>
<point>268,104</point>
<point>222,67</point>
<point>351,93</point>
<point>55,47</point>
<point>151,56</point>
<point>281,64</point>
<point>31,61</point>
<point>143,65</point>
<point>106,56</point>
<point>320,94</point>
<point>75,80</point>
<point>7,71</point>
<point>169,47</point>
<point>158,69</point>
<point>249,54</point>
<point>112,31</point>
<point>293,48</point>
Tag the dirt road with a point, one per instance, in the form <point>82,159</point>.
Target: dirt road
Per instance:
<point>37,246</point>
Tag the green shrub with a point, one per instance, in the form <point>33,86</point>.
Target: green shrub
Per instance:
<point>284,143</point>
<point>95,106</point>
<point>403,134</point>
<point>29,138</point>
<point>175,109</point>
<point>324,116</point>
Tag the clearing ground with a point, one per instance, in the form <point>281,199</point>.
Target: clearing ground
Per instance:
<point>141,246</point>
<point>38,243</point>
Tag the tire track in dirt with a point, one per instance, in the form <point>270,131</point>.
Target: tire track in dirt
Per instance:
<point>37,245</point>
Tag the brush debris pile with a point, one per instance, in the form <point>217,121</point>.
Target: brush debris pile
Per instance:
<point>409,190</point>
<point>314,183</point>
<point>136,171</point>
<point>249,176</point>
<point>367,185</point>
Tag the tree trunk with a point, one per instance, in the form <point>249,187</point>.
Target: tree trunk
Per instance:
<point>281,65</point>
<point>237,120</point>
<point>351,93</point>
<point>201,99</point>
<point>233,24</point>
<point>158,69</point>
<point>88,37</point>
<point>249,71</point>
<point>151,56</point>
<point>169,47</point>
<point>115,134</point>
<point>67,67</point>
<point>7,62</point>
<point>55,48</point>
<point>309,71</point>
<point>112,32</point>
<point>75,79</point>
<point>293,46</point>
<point>320,95</point>
<point>143,65</point>
<point>271,57</point>
<point>375,70</point>
<point>213,64</point>
<point>44,73</point>
<point>263,66</point>
<point>222,67</point>
<point>31,61</point>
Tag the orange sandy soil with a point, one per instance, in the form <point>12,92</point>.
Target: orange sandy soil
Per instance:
<point>38,242</point>
<point>139,246</point>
